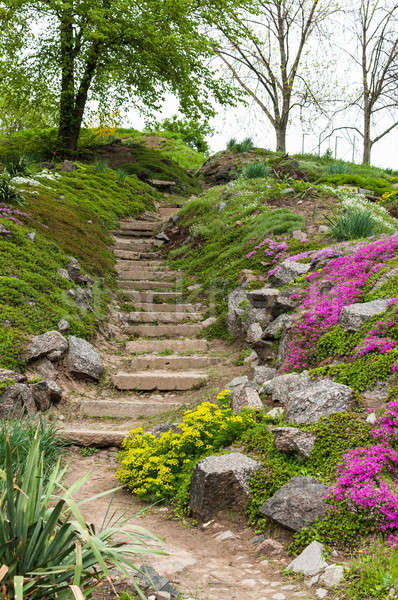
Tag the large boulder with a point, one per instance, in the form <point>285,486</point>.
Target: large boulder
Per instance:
<point>310,562</point>
<point>17,399</point>
<point>245,398</point>
<point>45,393</point>
<point>297,504</point>
<point>288,271</point>
<point>83,360</point>
<point>293,441</point>
<point>277,326</point>
<point>220,482</point>
<point>352,317</point>
<point>46,344</point>
<point>237,311</point>
<point>263,298</point>
<point>261,374</point>
<point>280,387</point>
<point>254,333</point>
<point>317,401</point>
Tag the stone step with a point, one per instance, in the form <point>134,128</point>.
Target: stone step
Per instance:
<point>147,274</point>
<point>145,285</point>
<point>167,211</point>
<point>161,317</point>
<point>127,263</point>
<point>131,409</point>
<point>172,362</point>
<point>133,246</point>
<point>181,308</point>
<point>166,331</point>
<point>133,233</point>
<point>149,297</point>
<point>139,226</point>
<point>159,380</point>
<point>101,438</point>
<point>131,255</point>
<point>172,345</point>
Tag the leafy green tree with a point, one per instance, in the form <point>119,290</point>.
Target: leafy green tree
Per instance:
<point>192,131</point>
<point>117,50</point>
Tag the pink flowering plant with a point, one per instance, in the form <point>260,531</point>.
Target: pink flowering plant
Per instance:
<point>12,214</point>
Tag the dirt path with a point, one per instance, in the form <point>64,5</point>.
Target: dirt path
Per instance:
<point>158,367</point>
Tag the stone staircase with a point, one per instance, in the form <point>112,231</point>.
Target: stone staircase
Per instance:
<point>164,360</point>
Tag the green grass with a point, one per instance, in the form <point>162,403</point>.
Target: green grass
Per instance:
<point>71,215</point>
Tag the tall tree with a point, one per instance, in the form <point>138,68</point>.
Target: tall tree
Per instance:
<point>375,26</point>
<point>119,49</point>
<point>266,61</point>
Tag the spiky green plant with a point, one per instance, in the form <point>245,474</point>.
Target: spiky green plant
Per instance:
<point>45,542</point>
<point>231,144</point>
<point>255,170</point>
<point>101,165</point>
<point>245,146</point>
<point>121,175</point>
<point>8,193</point>
<point>353,223</point>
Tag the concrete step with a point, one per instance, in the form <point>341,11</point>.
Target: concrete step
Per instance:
<point>101,438</point>
<point>153,265</point>
<point>172,362</point>
<point>159,380</point>
<point>139,226</point>
<point>148,274</point>
<point>147,296</point>
<point>161,317</point>
<point>133,233</point>
<point>167,211</point>
<point>131,409</point>
<point>172,345</point>
<point>131,255</point>
<point>181,308</point>
<point>165,331</point>
<point>146,285</point>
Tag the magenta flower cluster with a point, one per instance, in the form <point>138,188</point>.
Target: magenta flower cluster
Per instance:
<point>365,479</point>
<point>273,247</point>
<point>377,339</point>
<point>345,277</point>
<point>12,214</point>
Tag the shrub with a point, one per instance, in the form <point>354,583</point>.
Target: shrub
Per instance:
<point>353,223</point>
<point>161,468</point>
<point>255,170</point>
<point>240,147</point>
<point>44,540</point>
<point>8,193</point>
<point>192,131</point>
<point>231,144</point>
<point>338,168</point>
<point>18,164</point>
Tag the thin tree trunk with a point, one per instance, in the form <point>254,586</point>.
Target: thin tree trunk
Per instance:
<point>280,131</point>
<point>67,99</point>
<point>367,144</point>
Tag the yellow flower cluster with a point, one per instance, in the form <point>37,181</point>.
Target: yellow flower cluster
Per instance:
<point>155,467</point>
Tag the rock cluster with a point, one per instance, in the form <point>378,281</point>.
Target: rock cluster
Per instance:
<point>82,294</point>
<point>21,397</point>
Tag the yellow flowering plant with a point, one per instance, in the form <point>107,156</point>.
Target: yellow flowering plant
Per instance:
<point>158,467</point>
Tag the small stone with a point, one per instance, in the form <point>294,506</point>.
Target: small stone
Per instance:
<point>55,355</point>
<point>321,593</point>
<point>371,418</point>
<point>270,547</point>
<point>44,344</point>
<point>279,596</point>
<point>64,273</point>
<point>225,536</point>
<point>237,382</point>
<point>254,333</point>
<point>332,576</point>
<point>288,271</point>
<point>162,237</point>
<point>277,326</point>
<point>63,325</point>
<point>208,322</point>
<point>31,235</point>
<point>163,595</point>
<point>5,233</point>
<point>293,441</point>
<point>68,166</point>
<point>245,398</point>
<point>310,561</point>
<point>264,563</point>
<point>16,399</point>
<point>276,413</point>
<point>323,229</point>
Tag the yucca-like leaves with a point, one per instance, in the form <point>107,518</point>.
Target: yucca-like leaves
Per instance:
<point>44,540</point>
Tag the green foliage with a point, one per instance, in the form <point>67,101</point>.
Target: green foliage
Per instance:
<point>161,468</point>
<point>240,147</point>
<point>121,175</point>
<point>192,131</point>
<point>8,193</point>
<point>373,574</point>
<point>255,170</point>
<point>101,166</point>
<point>71,216</point>
<point>338,167</point>
<point>88,450</point>
<point>377,185</point>
<point>44,539</point>
<point>352,224</point>
<point>18,164</point>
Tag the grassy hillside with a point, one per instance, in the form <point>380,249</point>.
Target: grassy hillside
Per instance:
<point>71,214</point>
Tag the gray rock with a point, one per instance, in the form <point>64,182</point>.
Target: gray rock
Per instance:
<point>293,441</point>
<point>31,236</point>
<point>44,344</point>
<point>44,368</point>
<point>352,317</point>
<point>5,233</point>
<point>265,350</point>
<point>55,355</point>
<point>222,205</point>
<point>300,235</point>
<point>297,504</point>
<point>261,374</point>
<point>68,166</point>
<point>64,273</point>
<point>264,297</point>
<point>282,348</point>
<point>276,413</point>
<point>73,269</point>
<point>162,237</point>
<point>83,359</point>
<point>321,593</point>
<point>15,400</point>
<point>209,321</point>
<point>165,428</point>
<point>288,271</point>
<point>7,375</point>
<point>220,482</point>
<point>245,398</point>
<point>236,312</point>
<point>254,333</point>
<point>237,383</point>
<point>257,315</point>
<point>55,391</point>
<point>323,229</point>
<point>277,326</point>
<point>317,401</point>
<point>281,386</point>
<point>252,359</point>
<point>63,325</point>
<point>393,272</point>
<point>310,562</point>
<point>371,418</point>
<point>283,303</point>
<point>41,395</point>
<point>225,536</point>
<point>270,547</point>
<point>333,575</point>
<point>81,298</point>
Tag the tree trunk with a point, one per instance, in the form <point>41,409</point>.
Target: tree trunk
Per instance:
<point>367,144</point>
<point>66,129</point>
<point>280,131</point>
